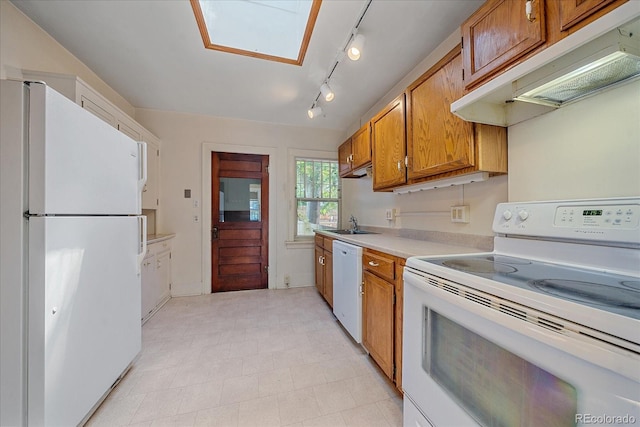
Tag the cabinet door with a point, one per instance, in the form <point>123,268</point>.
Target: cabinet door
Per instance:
<point>319,269</point>
<point>97,110</point>
<point>377,322</point>
<point>128,128</point>
<point>344,158</point>
<point>574,11</point>
<point>328,277</point>
<point>498,34</point>
<point>437,140</point>
<point>361,147</point>
<point>149,278</point>
<point>150,192</point>
<point>163,271</point>
<point>388,141</point>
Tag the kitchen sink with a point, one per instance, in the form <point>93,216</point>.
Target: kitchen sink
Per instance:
<point>351,232</point>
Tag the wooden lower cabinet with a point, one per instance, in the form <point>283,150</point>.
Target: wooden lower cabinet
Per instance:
<point>378,321</point>
<point>382,312</point>
<point>324,267</point>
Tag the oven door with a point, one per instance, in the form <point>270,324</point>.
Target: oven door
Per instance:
<point>466,362</point>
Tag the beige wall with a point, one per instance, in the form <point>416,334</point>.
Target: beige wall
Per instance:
<point>24,45</point>
<point>187,141</point>
<point>588,149</point>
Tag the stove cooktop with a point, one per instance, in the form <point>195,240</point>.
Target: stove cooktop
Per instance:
<point>614,293</point>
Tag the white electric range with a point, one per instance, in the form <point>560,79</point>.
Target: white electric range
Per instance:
<point>544,330</point>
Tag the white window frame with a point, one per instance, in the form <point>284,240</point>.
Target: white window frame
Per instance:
<point>293,156</point>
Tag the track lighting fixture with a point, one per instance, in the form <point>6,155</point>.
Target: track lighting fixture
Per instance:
<point>355,47</point>
<point>314,111</point>
<point>327,93</point>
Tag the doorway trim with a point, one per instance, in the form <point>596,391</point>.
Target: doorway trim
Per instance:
<point>207,149</point>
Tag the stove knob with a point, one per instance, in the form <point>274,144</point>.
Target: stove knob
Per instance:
<point>523,215</point>
<point>507,215</point>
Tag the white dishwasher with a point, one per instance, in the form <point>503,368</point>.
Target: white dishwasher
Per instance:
<point>347,280</point>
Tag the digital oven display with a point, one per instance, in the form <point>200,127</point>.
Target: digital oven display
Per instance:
<point>593,212</point>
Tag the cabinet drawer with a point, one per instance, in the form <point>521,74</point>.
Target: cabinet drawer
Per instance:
<point>319,240</point>
<point>382,266</point>
<point>328,244</point>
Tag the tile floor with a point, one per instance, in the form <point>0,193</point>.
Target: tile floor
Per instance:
<point>253,358</point>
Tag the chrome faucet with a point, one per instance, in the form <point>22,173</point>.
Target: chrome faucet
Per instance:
<point>354,223</point>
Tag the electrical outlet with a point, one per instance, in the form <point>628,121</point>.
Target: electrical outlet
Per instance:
<point>460,214</point>
<point>390,214</point>
<point>287,281</point>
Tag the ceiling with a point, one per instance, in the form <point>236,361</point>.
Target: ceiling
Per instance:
<point>151,52</point>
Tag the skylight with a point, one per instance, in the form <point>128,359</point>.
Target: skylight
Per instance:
<point>276,30</point>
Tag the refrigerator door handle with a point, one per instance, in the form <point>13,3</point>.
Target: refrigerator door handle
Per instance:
<point>142,170</point>
<point>142,236</point>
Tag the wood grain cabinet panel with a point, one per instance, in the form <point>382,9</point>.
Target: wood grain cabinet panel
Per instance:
<point>498,34</point>
<point>324,267</point>
<point>437,140</point>
<point>382,311</point>
<point>573,12</point>
<point>378,321</point>
<point>361,147</point>
<point>441,144</point>
<point>355,152</point>
<point>388,142</point>
<point>344,159</point>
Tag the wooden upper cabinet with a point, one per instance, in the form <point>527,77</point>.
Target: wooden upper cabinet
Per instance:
<point>355,152</point>
<point>388,141</point>
<point>497,35</point>
<point>572,12</point>
<point>344,158</point>
<point>437,140</point>
<point>361,147</point>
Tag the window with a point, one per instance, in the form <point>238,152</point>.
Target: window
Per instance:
<point>275,30</point>
<point>317,195</point>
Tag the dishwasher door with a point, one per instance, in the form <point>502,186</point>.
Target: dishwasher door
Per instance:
<point>347,282</point>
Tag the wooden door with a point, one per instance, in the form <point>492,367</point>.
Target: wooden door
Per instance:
<point>497,35</point>
<point>388,141</point>
<point>240,221</point>
<point>437,140</point>
<point>377,322</point>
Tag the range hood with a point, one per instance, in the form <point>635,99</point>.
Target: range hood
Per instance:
<point>602,55</point>
<point>604,63</point>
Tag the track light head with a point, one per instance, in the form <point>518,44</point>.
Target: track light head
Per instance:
<point>355,47</point>
<point>314,112</point>
<point>327,93</point>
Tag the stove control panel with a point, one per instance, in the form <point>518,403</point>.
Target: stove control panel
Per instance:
<point>607,216</point>
<point>606,220</point>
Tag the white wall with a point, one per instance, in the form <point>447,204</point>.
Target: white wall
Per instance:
<point>187,140</point>
<point>589,149</point>
<point>24,45</point>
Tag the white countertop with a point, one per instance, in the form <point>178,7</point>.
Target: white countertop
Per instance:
<point>155,238</point>
<point>401,246</point>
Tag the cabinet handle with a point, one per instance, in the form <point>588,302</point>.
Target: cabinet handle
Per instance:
<point>374,264</point>
<point>529,11</point>
<point>399,165</point>
<point>321,260</point>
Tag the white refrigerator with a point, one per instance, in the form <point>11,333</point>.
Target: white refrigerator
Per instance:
<point>72,243</point>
